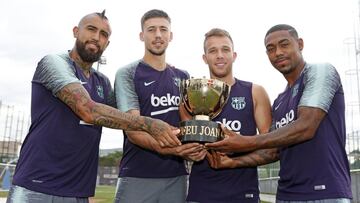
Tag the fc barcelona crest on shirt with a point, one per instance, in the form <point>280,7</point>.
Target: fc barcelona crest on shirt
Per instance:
<point>238,103</point>
<point>100,91</point>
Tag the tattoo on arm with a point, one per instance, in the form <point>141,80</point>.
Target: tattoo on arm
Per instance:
<point>78,99</point>
<point>257,158</point>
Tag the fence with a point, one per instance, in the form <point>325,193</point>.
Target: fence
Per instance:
<point>352,148</point>
<point>269,185</point>
<point>13,127</point>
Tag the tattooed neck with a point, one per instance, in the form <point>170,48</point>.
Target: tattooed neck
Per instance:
<point>85,66</point>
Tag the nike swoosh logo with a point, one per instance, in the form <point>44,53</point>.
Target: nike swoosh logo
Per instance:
<point>149,83</point>
<point>276,107</point>
<point>83,83</point>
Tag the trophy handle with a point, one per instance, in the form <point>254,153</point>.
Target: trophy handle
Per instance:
<point>224,97</point>
<point>184,83</point>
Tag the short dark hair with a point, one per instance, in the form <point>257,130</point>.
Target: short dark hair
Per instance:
<point>292,31</point>
<point>154,13</point>
<point>218,33</point>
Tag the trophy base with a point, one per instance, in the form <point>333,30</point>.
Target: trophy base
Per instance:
<point>200,131</point>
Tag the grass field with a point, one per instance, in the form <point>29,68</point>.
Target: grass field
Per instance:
<point>104,194</point>
<point>3,194</point>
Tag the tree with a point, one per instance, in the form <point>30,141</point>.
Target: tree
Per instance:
<point>355,154</point>
<point>112,159</point>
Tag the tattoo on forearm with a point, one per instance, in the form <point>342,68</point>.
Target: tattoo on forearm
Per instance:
<point>259,157</point>
<point>155,128</point>
<point>78,99</point>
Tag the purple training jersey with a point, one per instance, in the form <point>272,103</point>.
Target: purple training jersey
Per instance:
<point>59,155</point>
<point>155,94</point>
<point>229,185</point>
<point>317,168</point>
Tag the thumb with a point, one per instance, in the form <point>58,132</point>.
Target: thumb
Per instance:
<point>175,131</point>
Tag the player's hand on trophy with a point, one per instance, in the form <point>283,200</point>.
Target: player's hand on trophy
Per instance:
<point>219,160</point>
<point>188,151</point>
<point>164,134</point>
<point>191,151</point>
<point>196,155</point>
<point>232,142</point>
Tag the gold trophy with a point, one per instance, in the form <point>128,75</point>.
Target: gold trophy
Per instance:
<point>203,99</point>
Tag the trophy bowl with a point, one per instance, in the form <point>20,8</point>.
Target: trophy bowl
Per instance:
<point>203,99</point>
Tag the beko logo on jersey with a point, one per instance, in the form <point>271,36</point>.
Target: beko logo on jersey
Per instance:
<point>167,100</point>
<point>233,125</point>
<point>170,103</point>
<point>289,117</point>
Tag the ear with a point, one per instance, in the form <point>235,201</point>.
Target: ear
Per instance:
<point>75,31</point>
<point>234,56</point>
<point>204,58</point>
<point>141,36</point>
<point>301,44</point>
<point>171,36</point>
<point>107,44</point>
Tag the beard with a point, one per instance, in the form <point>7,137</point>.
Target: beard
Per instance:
<point>159,53</point>
<point>286,69</point>
<point>86,55</point>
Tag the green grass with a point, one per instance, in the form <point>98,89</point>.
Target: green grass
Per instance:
<point>104,194</point>
<point>3,193</point>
